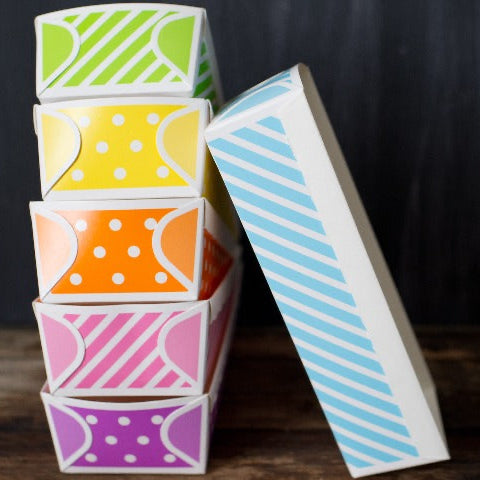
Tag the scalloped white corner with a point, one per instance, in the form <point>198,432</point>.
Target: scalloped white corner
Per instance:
<point>36,209</point>
<point>201,148</point>
<point>203,402</point>
<point>157,243</point>
<point>190,77</point>
<point>42,85</point>
<point>46,186</point>
<point>64,463</point>
<point>56,383</point>
<point>201,360</point>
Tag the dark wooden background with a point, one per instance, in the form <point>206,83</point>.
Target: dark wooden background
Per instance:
<point>401,82</point>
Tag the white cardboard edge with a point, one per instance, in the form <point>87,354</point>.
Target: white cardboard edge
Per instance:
<point>363,264</point>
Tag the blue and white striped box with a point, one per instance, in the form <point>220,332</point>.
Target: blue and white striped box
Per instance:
<point>285,172</point>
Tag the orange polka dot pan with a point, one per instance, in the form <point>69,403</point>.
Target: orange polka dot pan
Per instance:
<point>134,251</point>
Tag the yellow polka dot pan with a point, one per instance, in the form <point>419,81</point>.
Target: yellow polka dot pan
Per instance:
<point>123,148</point>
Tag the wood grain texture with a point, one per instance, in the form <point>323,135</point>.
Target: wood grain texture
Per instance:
<point>270,425</point>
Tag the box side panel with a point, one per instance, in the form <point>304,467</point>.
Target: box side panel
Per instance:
<point>160,436</point>
<point>117,50</point>
<point>90,150</point>
<point>127,350</point>
<point>207,82</point>
<point>115,242</point>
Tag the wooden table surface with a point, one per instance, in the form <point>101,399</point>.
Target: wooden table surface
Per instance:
<point>269,426</point>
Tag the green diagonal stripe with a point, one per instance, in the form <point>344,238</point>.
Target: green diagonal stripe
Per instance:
<point>110,47</point>
<point>124,57</point>
<point>204,66</point>
<point>202,86</point>
<point>158,74</point>
<point>138,68</point>
<point>93,39</point>
<point>88,22</point>
<point>203,49</point>
<point>70,18</point>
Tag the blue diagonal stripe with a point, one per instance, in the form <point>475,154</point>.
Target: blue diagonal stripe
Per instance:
<point>365,449</point>
<point>257,159</point>
<point>362,414</point>
<point>326,327</point>
<point>315,303</point>
<point>251,99</point>
<point>295,257</point>
<point>266,184</point>
<point>371,435</point>
<point>286,233</point>
<point>264,141</point>
<point>343,371</point>
<point>273,124</point>
<point>354,461</point>
<point>351,392</point>
<point>335,349</point>
<point>279,210</point>
<point>306,280</point>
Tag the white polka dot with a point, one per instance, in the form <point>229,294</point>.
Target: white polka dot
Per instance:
<point>143,440</point>
<point>118,119</point>
<point>75,279</point>
<point>84,121</point>
<point>169,458</point>
<point>91,457</point>
<point>133,251</point>
<point>102,147</point>
<point>92,419</point>
<point>120,173</point>
<point>157,419</point>
<point>160,277</point>
<point>77,175</point>
<point>118,278</point>
<point>153,118</point>
<point>136,146</point>
<point>129,458</point>
<point>115,224</point>
<point>99,252</point>
<point>81,225</point>
<point>124,421</point>
<point>163,172</point>
<point>111,440</point>
<point>150,223</point>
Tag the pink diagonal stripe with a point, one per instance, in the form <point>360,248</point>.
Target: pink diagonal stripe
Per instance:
<point>70,317</point>
<point>148,373</point>
<point>135,360</point>
<point>118,350</point>
<point>99,343</point>
<point>168,380</point>
<point>91,322</point>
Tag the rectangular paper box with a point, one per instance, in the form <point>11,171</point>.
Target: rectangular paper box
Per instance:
<point>280,160</point>
<point>137,349</point>
<point>121,435</point>
<point>120,148</point>
<point>129,250</point>
<point>126,49</point>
